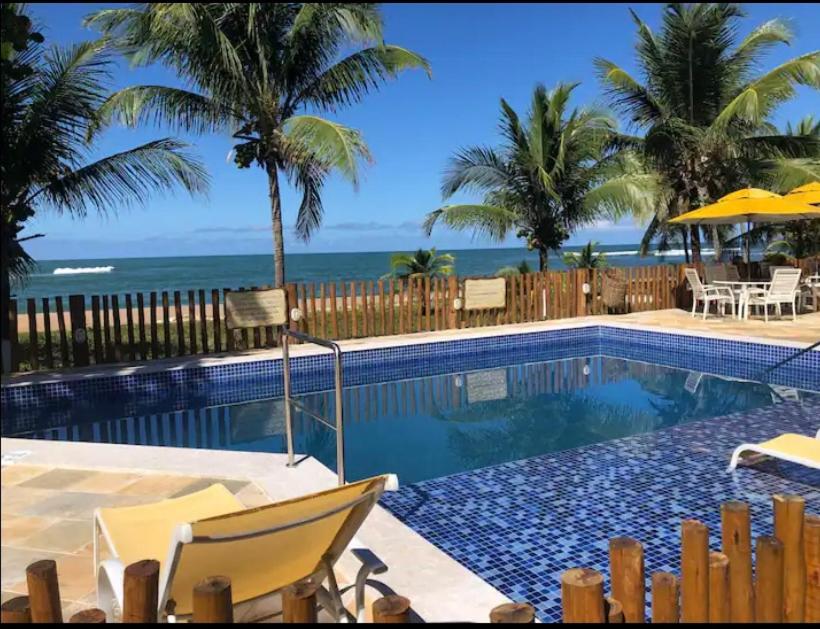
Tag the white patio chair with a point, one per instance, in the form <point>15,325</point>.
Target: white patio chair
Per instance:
<point>712,272</point>
<point>732,274</point>
<point>782,290</point>
<point>708,294</point>
<point>810,293</point>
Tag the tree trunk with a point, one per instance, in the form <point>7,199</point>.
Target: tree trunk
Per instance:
<point>543,260</point>
<point>685,233</point>
<point>276,225</point>
<point>5,298</point>
<point>694,232</point>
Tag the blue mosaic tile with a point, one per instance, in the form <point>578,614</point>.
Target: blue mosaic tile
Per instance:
<point>520,525</point>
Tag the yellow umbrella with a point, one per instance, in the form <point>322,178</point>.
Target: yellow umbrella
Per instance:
<point>750,205</point>
<point>810,193</point>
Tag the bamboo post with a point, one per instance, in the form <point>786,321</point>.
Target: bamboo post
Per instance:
<point>452,293</point>
<point>719,602</point>
<point>212,601</point>
<point>79,337</point>
<point>614,611</point>
<point>16,610</point>
<point>694,571</point>
<point>788,528</point>
<point>665,605</point>
<point>391,609</point>
<point>626,569</point>
<point>736,534</point>
<point>44,592</point>
<point>299,603</point>
<point>811,546</point>
<point>582,596</point>
<point>512,613</point>
<point>141,592</point>
<point>89,617</point>
<point>769,584</point>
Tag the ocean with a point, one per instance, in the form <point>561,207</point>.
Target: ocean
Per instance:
<point>121,275</point>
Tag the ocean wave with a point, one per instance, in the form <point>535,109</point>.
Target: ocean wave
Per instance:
<point>83,269</point>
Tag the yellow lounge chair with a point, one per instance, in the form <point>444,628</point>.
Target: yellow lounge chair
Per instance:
<point>262,550</point>
<point>788,447</point>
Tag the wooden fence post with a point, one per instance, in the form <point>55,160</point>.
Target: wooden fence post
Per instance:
<point>513,613</point>
<point>213,601</point>
<point>788,528</point>
<point>626,570</point>
<point>141,592</point>
<point>582,596</point>
<point>14,348</point>
<point>719,602</point>
<point>665,598</point>
<point>299,603</point>
<point>79,334</point>
<point>811,545</point>
<point>44,592</point>
<point>769,583</point>
<point>16,610</point>
<point>694,571</point>
<point>292,302</point>
<point>33,336</point>
<point>736,535</point>
<point>614,611</point>
<point>452,295</point>
<point>89,617</point>
<point>391,609</point>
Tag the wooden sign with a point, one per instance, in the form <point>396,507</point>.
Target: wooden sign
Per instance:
<point>256,308</point>
<point>485,294</point>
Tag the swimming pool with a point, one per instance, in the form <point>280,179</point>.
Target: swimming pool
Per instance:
<point>428,411</point>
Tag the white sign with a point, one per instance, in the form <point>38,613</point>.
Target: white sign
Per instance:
<point>256,308</point>
<point>485,294</point>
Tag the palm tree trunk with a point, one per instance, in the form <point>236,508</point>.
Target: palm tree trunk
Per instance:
<point>543,260</point>
<point>694,232</point>
<point>685,233</point>
<point>276,225</point>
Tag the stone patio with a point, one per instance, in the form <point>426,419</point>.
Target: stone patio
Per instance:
<point>47,514</point>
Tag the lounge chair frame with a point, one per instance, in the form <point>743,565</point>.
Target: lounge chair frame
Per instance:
<point>777,454</point>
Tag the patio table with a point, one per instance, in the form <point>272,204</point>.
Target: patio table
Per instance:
<point>744,288</point>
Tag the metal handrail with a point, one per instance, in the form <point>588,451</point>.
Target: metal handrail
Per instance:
<point>289,402</point>
<point>788,359</point>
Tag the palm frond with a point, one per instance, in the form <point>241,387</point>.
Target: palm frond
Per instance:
<point>476,168</point>
<point>484,220</point>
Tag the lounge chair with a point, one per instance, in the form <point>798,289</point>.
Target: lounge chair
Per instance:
<point>262,550</point>
<point>788,447</point>
<point>782,290</point>
<point>721,295</point>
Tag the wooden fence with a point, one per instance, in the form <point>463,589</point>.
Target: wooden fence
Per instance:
<point>81,330</point>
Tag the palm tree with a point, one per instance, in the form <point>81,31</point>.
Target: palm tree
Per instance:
<point>522,268</point>
<point>587,258</point>
<point>536,184</point>
<point>49,102</point>
<point>704,110</point>
<point>261,71</point>
<point>424,263</point>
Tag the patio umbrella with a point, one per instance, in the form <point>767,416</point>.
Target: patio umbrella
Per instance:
<point>810,193</point>
<point>751,205</point>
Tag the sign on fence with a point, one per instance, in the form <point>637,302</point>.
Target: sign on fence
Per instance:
<point>256,309</point>
<point>485,294</point>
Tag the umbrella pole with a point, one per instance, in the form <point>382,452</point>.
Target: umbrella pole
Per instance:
<point>748,250</point>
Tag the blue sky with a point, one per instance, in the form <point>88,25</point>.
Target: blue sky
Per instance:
<point>478,53</point>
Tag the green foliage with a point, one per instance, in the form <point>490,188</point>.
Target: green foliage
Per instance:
<point>424,263</point>
<point>523,268</point>
<point>587,258</point>
<point>704,110</point>
<point>536,183</point>
<point>262,72</point>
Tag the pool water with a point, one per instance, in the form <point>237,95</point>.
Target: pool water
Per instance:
<point>434,426</point>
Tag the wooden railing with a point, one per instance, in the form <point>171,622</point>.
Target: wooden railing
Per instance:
<point>149,326</point>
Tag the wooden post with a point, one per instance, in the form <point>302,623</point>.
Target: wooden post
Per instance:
<point>391,609</point>
<point>213,601</point>
<point>665,605</point>
<point>582,596</point>
<point>512,613</point>
<point>626,569</point>
<point>16,610</point>
<point>44,592</point>
<point>769,583</point>
<point>34,351</point>
<point>141,592</point>
<point>811,545</point>
<point>788,528</point>
<point>614,611</point>
<point>719,602</point>
<point>47,334</point>
<point>299,603</point>
<point>736,534</point>
<point>89,617</point>
<point>694,571</point>
<point>452,294</point>
<point>14,336</point>
<point>292,301</point>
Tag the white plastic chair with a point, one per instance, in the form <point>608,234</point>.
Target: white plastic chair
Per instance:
<point>782,290</point>
<point>708,294</point>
